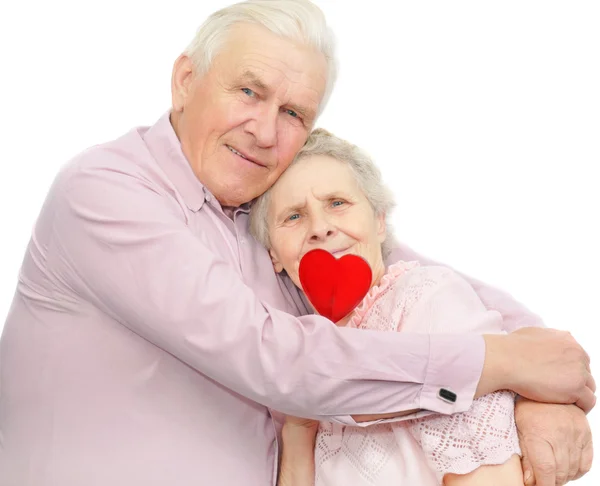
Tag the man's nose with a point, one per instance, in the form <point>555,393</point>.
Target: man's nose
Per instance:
<point>264,126</point>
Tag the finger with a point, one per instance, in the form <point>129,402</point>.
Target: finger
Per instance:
<point>587,400</point>
<point>574,461</point>
<point>585,462</point>
<point>528,477</point>
<point>562,460</point>
<point>591,383</point>
<point>541,457</point>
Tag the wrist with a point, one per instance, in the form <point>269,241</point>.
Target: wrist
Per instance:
<point>497,373</point>
<point>297,466</point>
<point>293,433</point>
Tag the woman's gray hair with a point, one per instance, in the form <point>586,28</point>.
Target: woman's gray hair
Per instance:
<point>297,20</point>
<point>368,177</point>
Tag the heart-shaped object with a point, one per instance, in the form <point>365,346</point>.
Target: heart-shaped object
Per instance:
<point>334,286</point>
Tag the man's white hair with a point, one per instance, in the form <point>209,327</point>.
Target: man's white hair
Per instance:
<point>297,20</point>
<point>368,177</point>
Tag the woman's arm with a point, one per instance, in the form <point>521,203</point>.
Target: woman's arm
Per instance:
<point>508,474</point>
<point>298,456</point>
<point>479,446</point>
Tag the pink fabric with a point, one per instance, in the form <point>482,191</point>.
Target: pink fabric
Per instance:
<point>148,335</point>
<point>431,299</point>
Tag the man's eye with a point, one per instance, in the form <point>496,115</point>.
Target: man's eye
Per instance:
<point>249,92</point>
<point>337,203</point>
<point>292,113</point>
<point>293,217</point>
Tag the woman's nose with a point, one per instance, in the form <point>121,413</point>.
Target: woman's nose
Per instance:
<point>321,228</point>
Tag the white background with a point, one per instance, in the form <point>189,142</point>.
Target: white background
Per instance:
<point>484,117</point>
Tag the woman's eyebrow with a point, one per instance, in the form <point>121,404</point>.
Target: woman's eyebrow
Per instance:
<point>332,195</point>
<point>290,209</point>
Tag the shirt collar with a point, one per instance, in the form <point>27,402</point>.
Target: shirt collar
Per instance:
<point>165,147</point>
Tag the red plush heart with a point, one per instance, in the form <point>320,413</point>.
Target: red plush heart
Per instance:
<point>334,286</point>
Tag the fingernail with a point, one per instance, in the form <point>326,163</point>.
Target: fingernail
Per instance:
<point>527,476</point>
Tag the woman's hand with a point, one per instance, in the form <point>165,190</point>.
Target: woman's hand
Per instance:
<point>298,457</point>
<point>556,441</point>
<point>300,424</point>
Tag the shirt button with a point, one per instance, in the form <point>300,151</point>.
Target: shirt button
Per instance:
<point>447,395</point>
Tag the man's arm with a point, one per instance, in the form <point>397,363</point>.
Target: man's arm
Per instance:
<point>122,244</point>
<point>514,314</point>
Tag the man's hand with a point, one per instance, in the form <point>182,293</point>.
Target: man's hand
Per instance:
<point>544,365</point>
<point>556,442</point>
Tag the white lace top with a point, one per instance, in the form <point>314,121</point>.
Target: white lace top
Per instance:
<point>420,452</point>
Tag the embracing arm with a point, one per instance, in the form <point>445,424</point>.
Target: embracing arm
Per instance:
<point>122,243</point>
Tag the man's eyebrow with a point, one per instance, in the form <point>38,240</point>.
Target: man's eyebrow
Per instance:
<point>254,79</point>
<point>304,111</point>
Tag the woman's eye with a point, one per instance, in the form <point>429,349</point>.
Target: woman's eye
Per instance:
<point>293,217</point>
<point>337,203</point>
<point>249,92</point>
<point>292,113</point>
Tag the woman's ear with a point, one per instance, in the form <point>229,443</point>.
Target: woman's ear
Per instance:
<point>277,266</point>
<point>381,228</point>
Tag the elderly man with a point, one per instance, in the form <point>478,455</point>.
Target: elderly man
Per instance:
<point>149,337</point>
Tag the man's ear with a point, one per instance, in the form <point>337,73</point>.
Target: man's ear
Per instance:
<point>181,82</point>
<point>381,228</point>
<point>277,266</point>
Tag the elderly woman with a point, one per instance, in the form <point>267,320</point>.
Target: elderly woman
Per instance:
<point>332,198</point>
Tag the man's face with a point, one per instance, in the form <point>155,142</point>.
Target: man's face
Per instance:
<point>242,123</point>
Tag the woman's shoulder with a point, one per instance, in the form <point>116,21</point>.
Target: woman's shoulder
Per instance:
<point>403,285</point>
<point>403,275</point>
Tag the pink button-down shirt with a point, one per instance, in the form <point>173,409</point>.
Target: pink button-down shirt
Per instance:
<point>149,337</point>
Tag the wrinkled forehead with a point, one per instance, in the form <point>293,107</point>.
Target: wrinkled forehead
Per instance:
<point>274,64</point>
<point>314,177</point>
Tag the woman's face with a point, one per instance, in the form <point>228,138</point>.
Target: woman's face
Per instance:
<point>317,203</point>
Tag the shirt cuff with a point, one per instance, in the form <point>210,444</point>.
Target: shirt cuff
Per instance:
<point>453,373</point>
<point>348,420</point>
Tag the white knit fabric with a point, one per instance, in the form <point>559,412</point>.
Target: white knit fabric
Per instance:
<point>420,452</point>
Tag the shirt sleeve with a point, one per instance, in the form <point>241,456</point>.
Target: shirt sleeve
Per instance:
<point>514,314</point>
<point>121,243</point>
<point>486,434</point>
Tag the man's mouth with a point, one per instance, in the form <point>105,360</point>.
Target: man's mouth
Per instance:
<point>249,159</point>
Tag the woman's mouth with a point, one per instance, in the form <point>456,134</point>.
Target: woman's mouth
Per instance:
<point>338,253</point>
